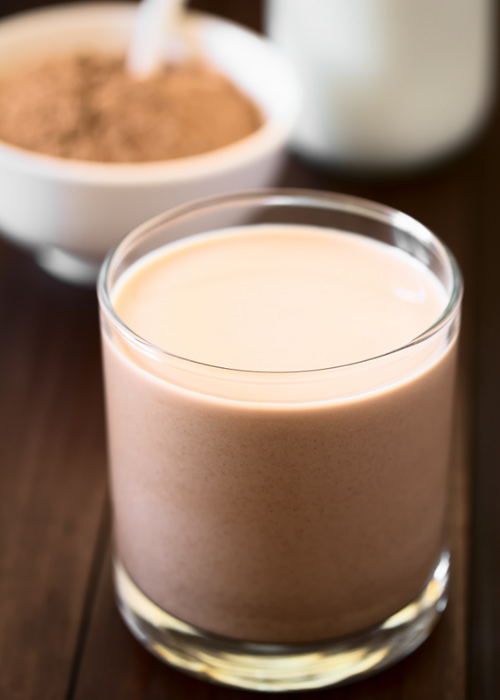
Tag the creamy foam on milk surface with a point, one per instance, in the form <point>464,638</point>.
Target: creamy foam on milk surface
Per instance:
<point>279,511</point>
<point>279,297</point>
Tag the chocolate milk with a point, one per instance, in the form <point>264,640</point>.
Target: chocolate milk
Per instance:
<point>277,500</point>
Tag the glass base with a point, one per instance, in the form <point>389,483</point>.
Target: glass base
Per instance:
<point>281,667</point>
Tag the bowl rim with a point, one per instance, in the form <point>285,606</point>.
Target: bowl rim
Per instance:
<point>270,136</point>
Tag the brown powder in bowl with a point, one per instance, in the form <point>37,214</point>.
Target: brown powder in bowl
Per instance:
<point>87,107</point>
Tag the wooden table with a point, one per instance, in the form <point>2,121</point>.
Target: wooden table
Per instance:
<point>61,637</point>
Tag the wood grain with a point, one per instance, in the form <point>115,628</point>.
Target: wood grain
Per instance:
<point>52,477</point>
<point>484,618</point>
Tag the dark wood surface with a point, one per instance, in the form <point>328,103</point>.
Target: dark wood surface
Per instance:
<point>61,637</point>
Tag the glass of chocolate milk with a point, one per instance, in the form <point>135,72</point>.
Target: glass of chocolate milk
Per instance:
<point>279,371</point>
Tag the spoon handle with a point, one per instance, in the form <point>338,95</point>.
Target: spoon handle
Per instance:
<point>155,21</point>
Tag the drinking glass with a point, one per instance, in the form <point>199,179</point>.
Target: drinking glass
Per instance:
<point>280,530</point>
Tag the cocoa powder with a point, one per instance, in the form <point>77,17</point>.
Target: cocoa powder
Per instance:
<point>87,107</point>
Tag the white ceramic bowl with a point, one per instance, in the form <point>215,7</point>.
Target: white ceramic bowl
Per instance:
<point>70,212</point>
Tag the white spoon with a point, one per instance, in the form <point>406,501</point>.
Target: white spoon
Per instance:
<point>155,22</point>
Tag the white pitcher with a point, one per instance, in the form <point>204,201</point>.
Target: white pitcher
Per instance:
<point>386,83</point>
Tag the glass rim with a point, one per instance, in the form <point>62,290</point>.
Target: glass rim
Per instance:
<point>318,199</point>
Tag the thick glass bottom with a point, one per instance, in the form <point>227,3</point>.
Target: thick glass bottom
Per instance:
<point>273,667</point>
